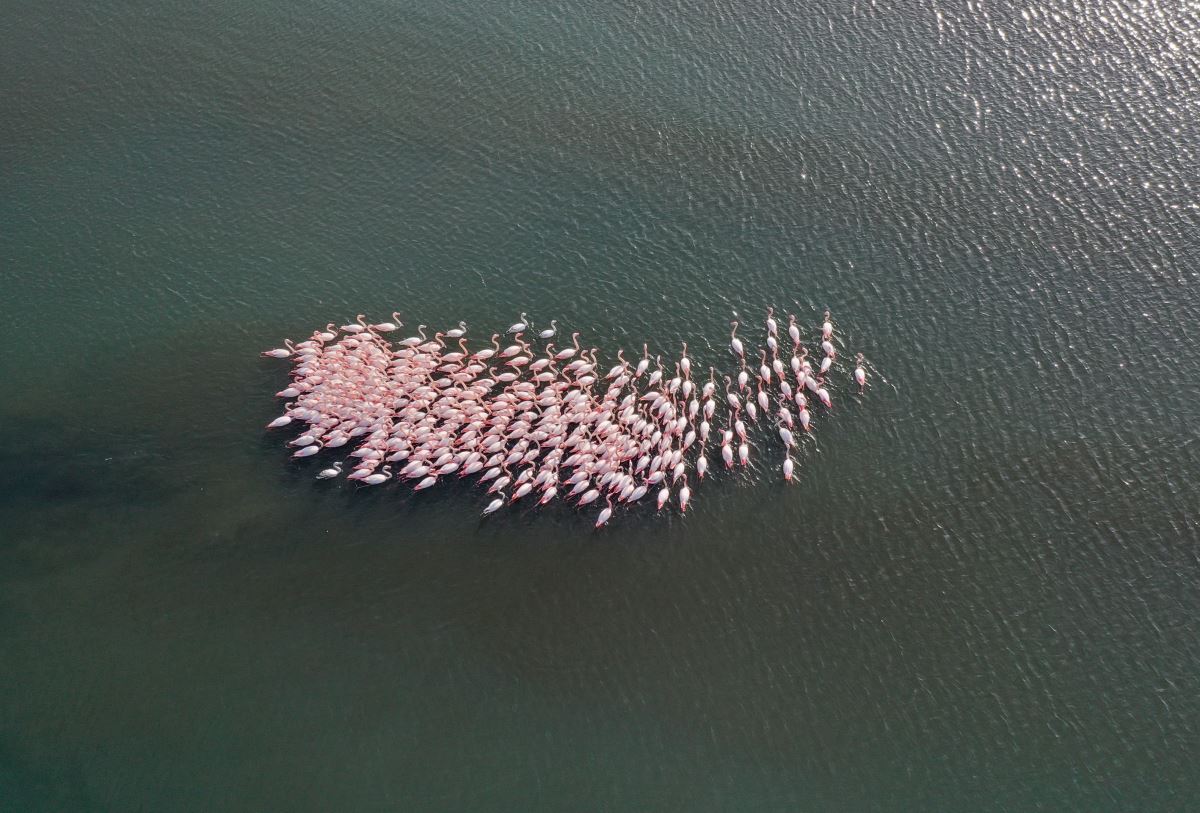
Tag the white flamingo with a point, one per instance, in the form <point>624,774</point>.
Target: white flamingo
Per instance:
<point>332,471</point>
<point>605,514</point>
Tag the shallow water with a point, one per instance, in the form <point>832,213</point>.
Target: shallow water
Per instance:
<point>980,595</point>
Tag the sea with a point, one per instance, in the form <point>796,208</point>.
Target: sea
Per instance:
<point>980,593</point>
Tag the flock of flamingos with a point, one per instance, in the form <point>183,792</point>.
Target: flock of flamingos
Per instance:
<point>539,422</point>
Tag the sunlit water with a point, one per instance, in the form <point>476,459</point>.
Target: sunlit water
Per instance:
<point>981,594</point>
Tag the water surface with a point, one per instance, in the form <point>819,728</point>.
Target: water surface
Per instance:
<point>981,594</point>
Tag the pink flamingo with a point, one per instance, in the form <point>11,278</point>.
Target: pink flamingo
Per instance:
<point>735,344</point>
<point>435,410</point>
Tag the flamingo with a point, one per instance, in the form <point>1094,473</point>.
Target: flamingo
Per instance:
<point>520,326</point>
<point>387,327</point>
<point>376,479</point>
<point>332,471</point>
<point>435,409</point>
<point>793,331</point>
<point>549,332</point>
<point>827,328</point>
<point>414,341</point>
<point>605,513</point>
<point>618,369</point>
<point>730,396</point>
<point>657,375</point>
<point>569,352</point>
<point>644,363</point>
<point>360,327</point>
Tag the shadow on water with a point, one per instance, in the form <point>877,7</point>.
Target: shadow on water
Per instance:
<point>53,465</point>
<point>70,495</point>
<point>29,786</point>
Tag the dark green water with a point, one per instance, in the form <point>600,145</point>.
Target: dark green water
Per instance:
<point>982,595</point>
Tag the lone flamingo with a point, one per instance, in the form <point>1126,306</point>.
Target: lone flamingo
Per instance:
<point>605,513</point>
